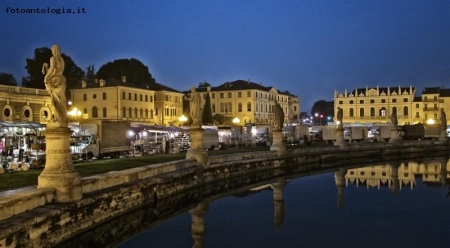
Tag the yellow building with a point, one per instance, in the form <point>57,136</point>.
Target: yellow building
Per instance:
<point>432,100</point>
<point>118,100</point>
<point>250,102</point>
<point>24,104</point>
<point>376,105</point>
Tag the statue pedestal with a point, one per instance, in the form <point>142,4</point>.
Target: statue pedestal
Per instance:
<point>394,136</point>
<point>443,136</point>
<point>59,171</point>
<point>340,138</point>
<point>277,143</point>
<point>197,150</point>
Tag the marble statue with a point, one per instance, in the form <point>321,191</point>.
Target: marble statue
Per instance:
<point>55,84</point>
<point>394,119</point>
<point>443,120</point>
<point>195,106</point>
<point>340,116</point>
<point>279,116</point>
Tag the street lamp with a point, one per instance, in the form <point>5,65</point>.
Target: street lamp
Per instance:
<point>74,114</point>
<point>320,116</point>
<point>236,120</point>
<point>182,119</point>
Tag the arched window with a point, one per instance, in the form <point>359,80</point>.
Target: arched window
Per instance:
<point>151,114</point>
<point>135,113</point>
<point>94,112</point>
<point>141,113</point>
<point>104,113</point>
<point>372,111</point>
<point>130,112</point>
<point>351,112</point>
<point>239,107</point>
<point>361,112</point>
<point>383,112</point>
<point>249,107</point>
<point>405,111</point>
<point>146,113</point>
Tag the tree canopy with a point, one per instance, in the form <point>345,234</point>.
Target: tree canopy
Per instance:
<point>324,108</point>
<point>207,118</point>
<point>35,78</point>
<point>134,70</point>
<point>7,79</point>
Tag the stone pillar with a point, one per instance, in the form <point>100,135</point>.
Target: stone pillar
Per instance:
<point>277,142</point>
<point>340,141</point>
<point>443,136</point>
<point>395,184</point>
<point>197,150</point>
<point>59,171</point>
<point>339,179</point>
<point>198,223</point>
<point>394,135</point>
<point>278,201</point>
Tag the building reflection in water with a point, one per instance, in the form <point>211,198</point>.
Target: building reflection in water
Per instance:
<point>394,175</point>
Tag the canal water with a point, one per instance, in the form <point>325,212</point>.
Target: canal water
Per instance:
<point>389,205</point>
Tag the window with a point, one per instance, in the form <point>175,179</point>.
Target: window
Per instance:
<point>239,107</point>
<point>295,108</point>
<point>249,94</point>
<point>383,112</point>
<point>135,113</point>
<point>104,112</point>
<point>156,111</point>
<point>146,98</point>
<point>417,115</point>
<point>129,96</point>
<point>239,94</point>
<point>94,112</point>
<point>351,101</point>
<point>372,101</point>
<point>130,113</point>
<point>229,94</point>
<point>405,99</point>
<point>417,105</point>
<point>213,108</point>
<point>151,98</point>
<point>104,95</point>
<point>405,111</point>
<point>124,112</point>
<point>361,112</point>
<point>141,113</point>
<point>94,96</point>
<point>213,95</point>
<point>135,97</point>
<point>341,102</point>
<point>361,101</point>
<point>123,95</point>
<point>140,97</point>
<point>394,100</point>
<point>221,95</point>
<point>372,111</point>
<point>85,111</point>
<point>383,100</point>
<point>84,97</point>
<point>7,112</point>
<point>249,106</point>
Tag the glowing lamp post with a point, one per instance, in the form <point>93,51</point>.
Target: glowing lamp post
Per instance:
<point>236,120</point>
<point>74,114</point>
<point>182,119</point>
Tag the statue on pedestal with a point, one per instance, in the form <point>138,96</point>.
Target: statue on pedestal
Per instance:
<point>394,119</point>
<point>55,84</point>
<point>443,120</point>
<point>195,108</point>
<point>279,116</point>
<point>340,116</point>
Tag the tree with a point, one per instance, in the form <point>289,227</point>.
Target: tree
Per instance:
<point>324,108</point>
<point>220,119</point>
<point>207,117</point>
<point>133,69</point>
<point>7,79</point>
<point>35,78</point>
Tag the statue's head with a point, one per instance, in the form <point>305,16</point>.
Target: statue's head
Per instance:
<point>56,51</point>
<point>192,89</point>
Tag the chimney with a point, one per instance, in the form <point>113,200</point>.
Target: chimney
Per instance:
<point>124,79</point>
<point>83,84</point>
<point>102,82</point>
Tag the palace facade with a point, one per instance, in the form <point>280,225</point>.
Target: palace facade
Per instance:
<point>376,105</point>
<point>251,102</point>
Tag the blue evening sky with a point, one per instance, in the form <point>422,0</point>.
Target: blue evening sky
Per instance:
<point>310,48</point>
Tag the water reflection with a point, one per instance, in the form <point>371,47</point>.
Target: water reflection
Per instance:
<point>358,183</point>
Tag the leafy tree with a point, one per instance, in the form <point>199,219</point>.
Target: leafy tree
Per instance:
<point>207,118</point>
<point>220,119</point>
<point>7,79</point>
<point>90,73</point>
<point>132,69</point>
<point>35,78</point>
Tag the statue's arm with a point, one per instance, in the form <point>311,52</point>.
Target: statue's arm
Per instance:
<point>50,70</point>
